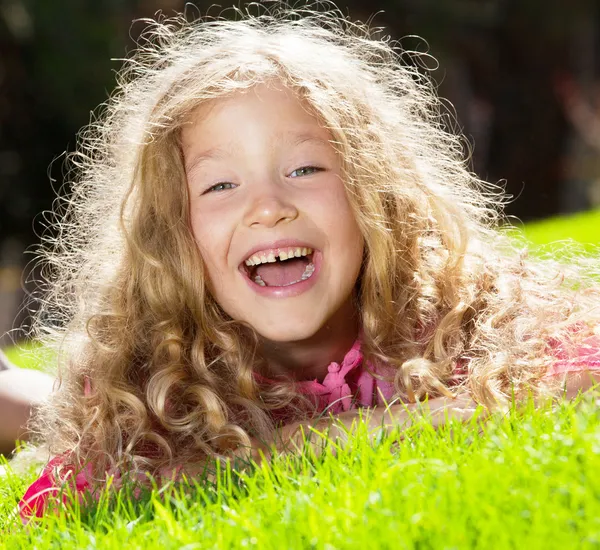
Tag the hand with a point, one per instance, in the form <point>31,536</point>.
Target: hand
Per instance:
<point>292,437</point>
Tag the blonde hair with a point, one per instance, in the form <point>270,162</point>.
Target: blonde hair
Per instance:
<point>127,306</point>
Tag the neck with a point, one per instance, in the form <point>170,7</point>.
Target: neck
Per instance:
<point>308,359</point>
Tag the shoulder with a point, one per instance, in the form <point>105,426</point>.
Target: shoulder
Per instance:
<point>51,486</point>
<point>579,357</point>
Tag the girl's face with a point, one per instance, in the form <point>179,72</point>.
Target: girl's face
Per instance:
<point>270,214</point>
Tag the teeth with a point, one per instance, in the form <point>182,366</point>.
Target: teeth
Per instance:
<point>308,271</point>
<point>283,254</point>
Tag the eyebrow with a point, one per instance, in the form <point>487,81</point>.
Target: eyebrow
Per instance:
<point>294,138</point>
<point>210,154</point>
<point>215,153</point>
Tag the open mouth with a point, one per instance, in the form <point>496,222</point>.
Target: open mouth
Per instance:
<point>280,267</point>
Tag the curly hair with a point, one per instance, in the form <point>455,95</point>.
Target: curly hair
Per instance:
<point>443,281</point>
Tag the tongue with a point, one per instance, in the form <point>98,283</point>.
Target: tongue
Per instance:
<point>282,273</point>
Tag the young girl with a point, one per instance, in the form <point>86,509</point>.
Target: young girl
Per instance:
<point>269,222</point>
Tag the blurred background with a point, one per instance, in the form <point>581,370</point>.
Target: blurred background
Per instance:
<point>523,76</point>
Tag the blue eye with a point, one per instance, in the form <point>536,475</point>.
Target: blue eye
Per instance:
<point>220,187</point>
<point>305,171</point>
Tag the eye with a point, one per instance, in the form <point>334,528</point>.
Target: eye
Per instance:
<point>220,187</point>
<point>305,171</point>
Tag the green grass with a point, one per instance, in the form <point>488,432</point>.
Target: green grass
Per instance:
<point>26,355</point>
<point>525,481</point>
<point>584,228</point>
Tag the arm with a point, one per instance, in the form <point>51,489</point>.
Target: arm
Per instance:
<point>580,381</point>
<point>20,391</point>
<point>581,367</point>
<point>439,410</point>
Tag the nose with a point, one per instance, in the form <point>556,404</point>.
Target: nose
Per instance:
<point>269,210</point>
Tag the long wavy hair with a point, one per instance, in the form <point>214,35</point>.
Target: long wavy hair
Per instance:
<point>153,370</point>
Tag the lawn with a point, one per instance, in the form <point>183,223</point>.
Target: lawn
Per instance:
<point>527,480</point>
<point>583,228</point>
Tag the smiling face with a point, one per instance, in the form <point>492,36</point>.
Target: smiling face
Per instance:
<point>270,214</point>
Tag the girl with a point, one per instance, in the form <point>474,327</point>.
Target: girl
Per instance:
<point>269,221</point>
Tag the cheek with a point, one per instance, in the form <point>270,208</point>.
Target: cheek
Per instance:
<point>341,223</point>
<point>214,271</point>
<point>209,236</point>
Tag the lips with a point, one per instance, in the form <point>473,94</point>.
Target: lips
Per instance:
<point>286,291</point>
<point>281,268</point>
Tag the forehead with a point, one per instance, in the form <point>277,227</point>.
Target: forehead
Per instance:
<point>265,112</point>
<point>273,94</point>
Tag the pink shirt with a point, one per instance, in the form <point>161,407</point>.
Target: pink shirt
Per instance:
<point>348,385</point>
<point>351,384</point>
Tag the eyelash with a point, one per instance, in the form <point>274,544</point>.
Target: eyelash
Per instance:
<point>212,189</point>
<point>314,169</point>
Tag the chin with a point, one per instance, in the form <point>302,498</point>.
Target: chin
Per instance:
<point>288,332</point>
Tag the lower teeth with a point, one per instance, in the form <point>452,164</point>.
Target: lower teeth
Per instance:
<point>308,271</point>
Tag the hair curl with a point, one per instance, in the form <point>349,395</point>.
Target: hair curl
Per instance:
<point>441,282</point>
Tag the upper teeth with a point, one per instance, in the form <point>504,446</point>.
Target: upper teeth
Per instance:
<point>282,253</point>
